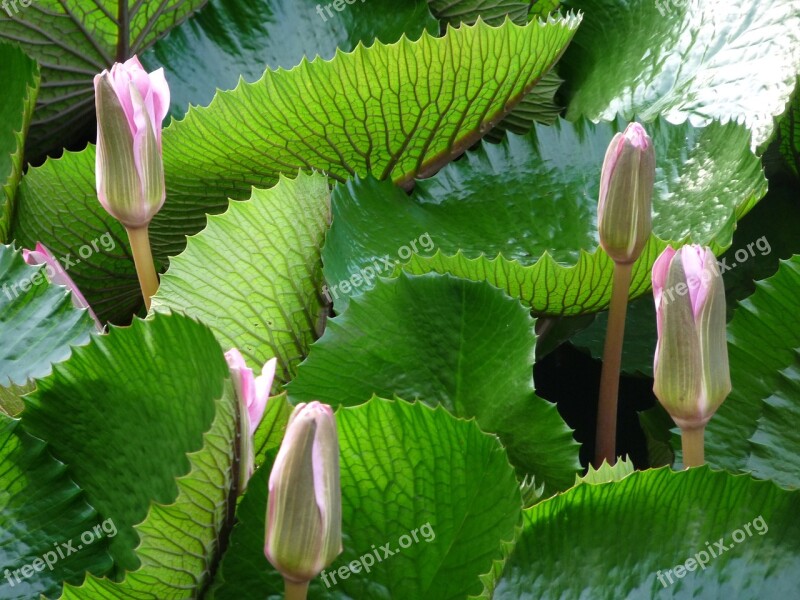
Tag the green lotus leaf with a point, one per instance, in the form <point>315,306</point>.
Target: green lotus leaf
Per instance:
<point>691,534</point>
<point>690,61</point>
<point>49,533</point>
<point>411,122</point>
<point>461,344</point>
<point>38,322</point>
<point>433,490</point>
<point>123,413</point>
<point>232,46</point>
<point>21,77</point>
<point>522,214</point>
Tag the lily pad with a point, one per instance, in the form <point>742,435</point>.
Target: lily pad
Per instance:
<point>391,129</point>
<point>648,534</point>
<point>522,214</point>
<point>458,343</point>
<point>238,38</point>
<point>690,61</point>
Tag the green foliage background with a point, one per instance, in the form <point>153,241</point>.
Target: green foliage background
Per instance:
<point>398,201</point>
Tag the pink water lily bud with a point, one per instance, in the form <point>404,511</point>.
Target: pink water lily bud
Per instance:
<point>57,275</point>
<point>304,511</point>
<point>692,376</point>
<point>624,211</point>
<point>252,393</point>
<point>131,106</point>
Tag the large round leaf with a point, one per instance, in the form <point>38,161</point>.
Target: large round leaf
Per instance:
<point>522,214</point>
<point>406,470</point>
<point>755,430</point>
<point>20,75</point>
<point>42,513</point>
<point>123,412</point>
<point>410,119</point>
<point>462,344</point>
<point>183,541</point>
<point>715,59</point>
<point>38,323</point>
<point>539,104</point>
<point>775,444</point>
<point>229,39</point>
<point>645,536</point>
<point>402,116</point>
<point>253,275</point>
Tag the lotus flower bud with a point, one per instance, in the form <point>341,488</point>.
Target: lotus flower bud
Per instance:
<point>692,376</point>
<point>304,513</point>
<point>624,220</point>
<point>57,275</point>
<point>131,105</point>
<point>253,393</point>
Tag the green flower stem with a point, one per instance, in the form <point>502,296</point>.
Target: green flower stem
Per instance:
<point>606,440</point>
<point>692,443</point>
<point>143,259</point>
<point>295,591</point>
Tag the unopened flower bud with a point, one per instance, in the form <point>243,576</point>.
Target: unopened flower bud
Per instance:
<point>131,105</point>
<point>624,219</point>
<point>691,371</point>
<point>252,393</point>
<point>304,512</point>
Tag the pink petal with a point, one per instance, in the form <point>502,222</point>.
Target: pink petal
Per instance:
<point>153,95</point>
<point>659,279</point>
<point>159,89</point>
<point>263,385</point>
<point>287,443</point>
<point>235,359</point>
<point>121,81</point>
<point>99,169</point>
<point>637,136</point>
<point>133,64</point>
<point>613,153</point>
<point>710,271</point>
<point>58,276</point>
<point>141,121</point>
<point>321,412</point>
<point>697,279</point>
<point>242,376</point>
